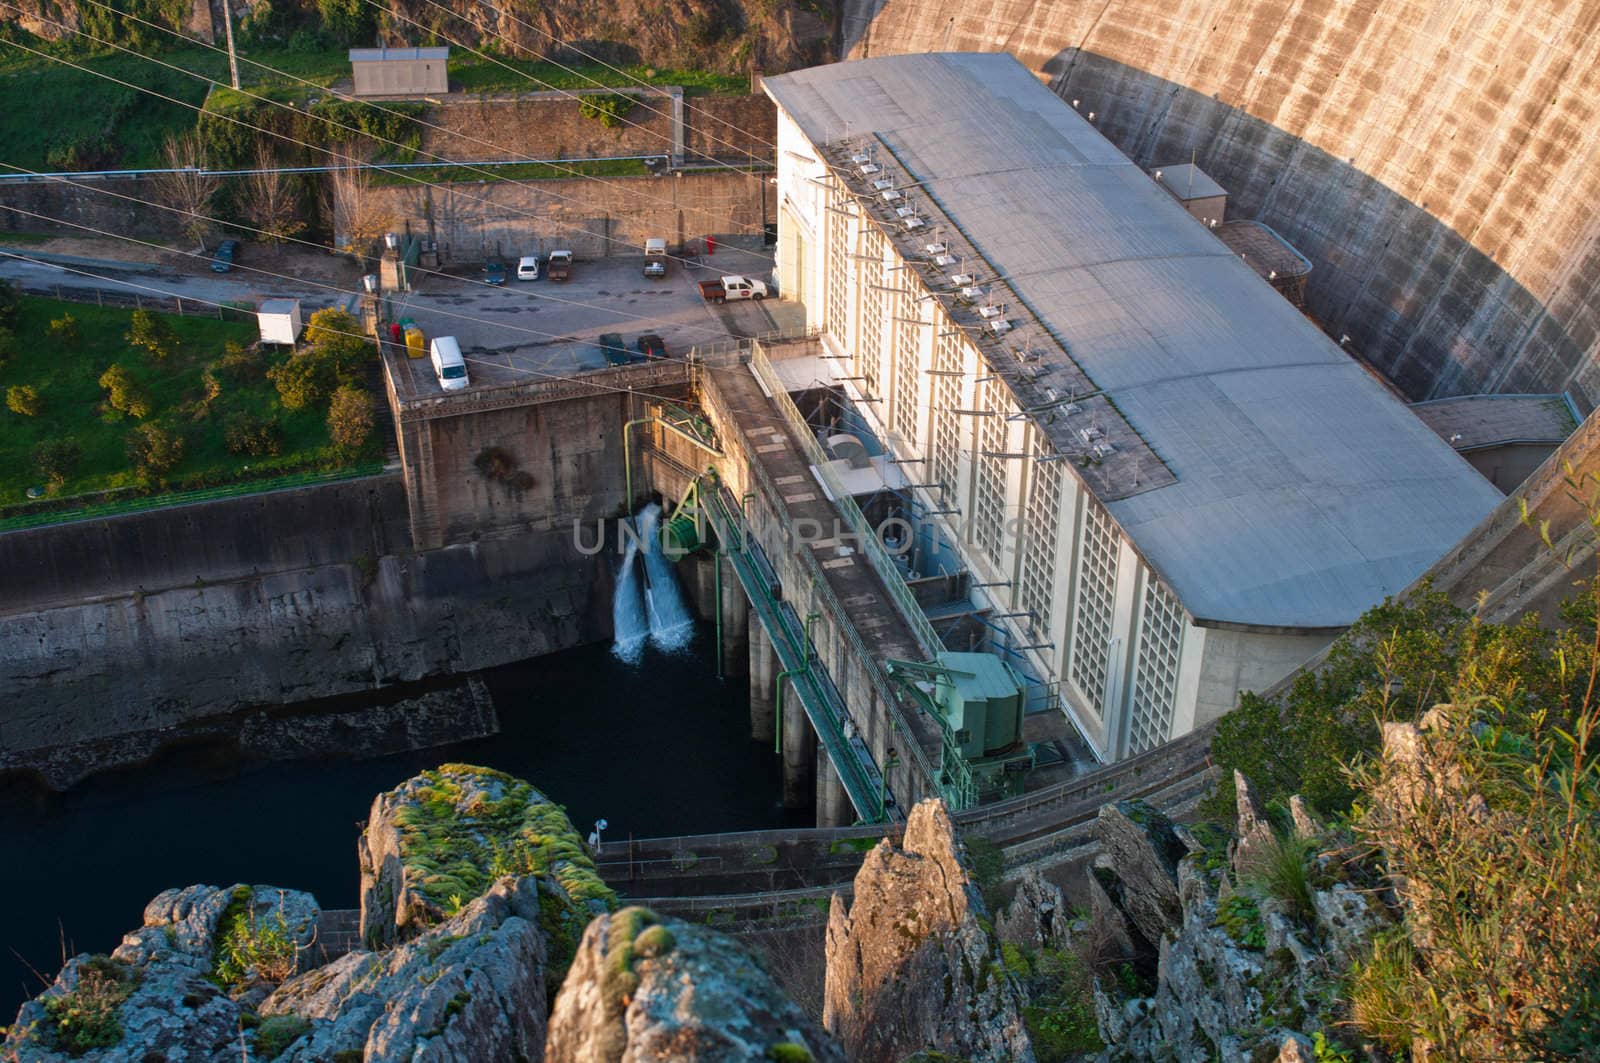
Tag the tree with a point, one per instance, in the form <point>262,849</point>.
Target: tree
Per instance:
<point>359,216</point>
<point>56,459</point>
<point>152,334</point>
<point>304,379</point>
<point>350,418</point>
<point>188,189</point>
<point>64,330</point>
<point>10,305</point>
<point>271,199</point>
<point>124,393</point>
<point>154,451</point>
<point>23,399</point>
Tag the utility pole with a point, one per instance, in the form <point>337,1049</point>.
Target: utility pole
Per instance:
<point>233,57</point>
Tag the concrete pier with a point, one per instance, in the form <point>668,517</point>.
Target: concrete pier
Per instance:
<point>833,803</point>
<point>799,752</point>
<point>763,672</point>
<point>735,621</point>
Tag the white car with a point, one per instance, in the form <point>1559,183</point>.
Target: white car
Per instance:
<point>528,268</point>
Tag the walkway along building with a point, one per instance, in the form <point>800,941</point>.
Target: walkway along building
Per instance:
<point>1166,484</point>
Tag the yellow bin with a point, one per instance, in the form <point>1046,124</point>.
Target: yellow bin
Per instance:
<point>416,346</point>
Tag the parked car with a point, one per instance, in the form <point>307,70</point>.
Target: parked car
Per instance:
<point>613,349</point>
<point>222,258</point>
<point>655,258</point>
<point>728,289</point>
<point>559,267</point>
<point>528,268</point>
<point>494,272</point>
<point>651,346</point>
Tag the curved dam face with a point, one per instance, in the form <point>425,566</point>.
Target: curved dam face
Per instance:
<point>1437,160</point>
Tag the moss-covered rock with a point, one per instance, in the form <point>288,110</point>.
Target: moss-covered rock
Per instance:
<point>441,839</point>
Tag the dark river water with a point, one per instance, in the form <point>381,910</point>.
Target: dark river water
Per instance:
<point>657,748</point>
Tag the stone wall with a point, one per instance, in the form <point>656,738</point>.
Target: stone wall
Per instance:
<point>1433,160</point>
<point>548,125</point>
<point>591,217</point>
<point>87,203</point>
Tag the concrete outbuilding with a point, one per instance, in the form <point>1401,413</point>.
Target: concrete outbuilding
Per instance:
<point>279,321</point>
<point>400,71</point>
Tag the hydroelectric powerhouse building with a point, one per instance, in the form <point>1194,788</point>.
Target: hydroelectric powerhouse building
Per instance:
<point>1168,485</point>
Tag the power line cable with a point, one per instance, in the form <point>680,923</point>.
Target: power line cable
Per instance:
<point>344,158</point>
<point>560,66</point>
<point>308,243</point>
<point>350,97</point>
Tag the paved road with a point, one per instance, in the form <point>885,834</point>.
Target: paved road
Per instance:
<point>72,273</point>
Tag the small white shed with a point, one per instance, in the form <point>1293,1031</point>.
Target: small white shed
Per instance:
<point>279,320</point>
<point>400,71</point>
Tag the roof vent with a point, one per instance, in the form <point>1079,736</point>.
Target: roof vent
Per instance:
<point>973,293</point>
<point>890,195</point>
<point>944,260</point>
<point>966,280</point>
<point>999,325</point>
<point>936,249</point>
<point>990,311</point>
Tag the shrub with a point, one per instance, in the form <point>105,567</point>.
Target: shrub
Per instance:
<point>10,305</point>
<point>56,459</point>
<point>23,399</point>
<point>256,436</point>
<point>609,109</point>
<point>251,946</point>
<point>1060,1010</point>
<point>276,1033</point>
<point>87,1017</point>
<point>152,334</point>
<point>64,329</point>
<point>1282,871</point>
<point>304,380</point>
<point>237,365</point>
<point>154,451</point>
<point>331,324</point>
<point>350,418</point>
<point>125,394</point>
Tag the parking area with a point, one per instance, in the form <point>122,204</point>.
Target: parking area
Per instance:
<point>542,328</point>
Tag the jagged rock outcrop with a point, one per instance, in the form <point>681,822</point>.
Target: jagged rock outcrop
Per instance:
<point>472,987</point>
<point>646,989</point>
<point>1138,867</point>
<point>154,997</point>
<point>1240,970</point>
<point>913,964</point>
<point>1037,917</point>
<point>439,839</point>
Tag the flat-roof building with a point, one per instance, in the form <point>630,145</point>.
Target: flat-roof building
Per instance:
<point>1168,482</point>
<point>400,71</point>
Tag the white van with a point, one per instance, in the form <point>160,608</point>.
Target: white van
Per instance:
<point>448,363</point>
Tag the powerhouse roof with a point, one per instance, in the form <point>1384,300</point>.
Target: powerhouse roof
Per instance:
<point>376,55</point>
<point>1304,493</point>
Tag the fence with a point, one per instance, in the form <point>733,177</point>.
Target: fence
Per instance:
<point>133,503</point>
<point>137,301</point>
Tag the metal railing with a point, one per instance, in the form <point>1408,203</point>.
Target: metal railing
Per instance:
<point>866,536</point>
<point>870,664</point>
<point>116,507</point>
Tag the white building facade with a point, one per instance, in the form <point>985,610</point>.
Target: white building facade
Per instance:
<point>1106,594</point>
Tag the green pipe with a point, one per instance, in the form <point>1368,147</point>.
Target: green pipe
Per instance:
<point>777,726</point>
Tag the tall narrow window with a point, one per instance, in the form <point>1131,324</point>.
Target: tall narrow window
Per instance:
<point>1155,683</point>
<point>906,367</point>
<point>944,448</point>
<point>840,269</point>
<point>1039,534</point>
<point>869,348</point>
<point>989,471</point>
<point>1097,599</point>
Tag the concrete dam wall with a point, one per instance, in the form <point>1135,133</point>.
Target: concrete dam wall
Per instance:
<point>1434,159</point>
<point>120,636</point>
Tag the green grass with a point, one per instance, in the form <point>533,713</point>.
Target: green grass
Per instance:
<point>66,375</point>
<point>24,239</point>
<point>112,125</point>
<point>522,171</point>
<point>469,73</point>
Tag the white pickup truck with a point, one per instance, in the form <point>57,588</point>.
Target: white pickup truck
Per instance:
<point>727,289</point>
